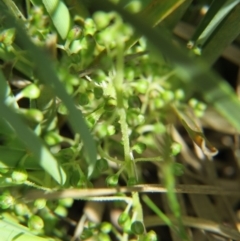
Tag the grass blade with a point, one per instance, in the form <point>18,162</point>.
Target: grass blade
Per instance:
<point>194,73</point>
<point>227,31</point>
<point>46,74</point>
<point>32,142</point>
<point>59,15</point>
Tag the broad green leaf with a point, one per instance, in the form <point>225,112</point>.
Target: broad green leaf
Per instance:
<point>46,74</point>
<point>193,73</point>
<point>60,16</point>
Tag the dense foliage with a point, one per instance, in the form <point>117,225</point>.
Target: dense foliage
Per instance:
<point>97,101</point>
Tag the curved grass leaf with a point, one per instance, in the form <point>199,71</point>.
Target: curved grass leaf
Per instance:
<point>46,74</point>
<point>60,16</point>
<point>10,230</point>
<point>32,142</point>
<point>195,74</point>
<point>224,34</point>
<point>216,13</point>
<point>10,158</point>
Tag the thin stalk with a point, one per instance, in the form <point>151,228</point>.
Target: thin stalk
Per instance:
<point>118,84</point>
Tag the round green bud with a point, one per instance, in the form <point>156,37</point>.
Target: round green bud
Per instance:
<point>106,227</point>
<point>7,36</point>
<point>33,114</point>
<point>61,211</point>
<point>74,33</point>
<point>179,94</point>
<point>134,119</point>
<point>83,99</point>
<point>193,103</point>
<point>175,148</point>
<point>123,218</point>
<point>139,147</point>
<point>159,128</point>
<point>86,234</point>
<point>21,209</point>
<point>158,103</point>
<point>75,46</point>
<point>101,19</point>
<point>103,237</point>
<point>201,106</point>
<point>142,86</point>
<point>112,180</point>
<point>111,130</point>
<point>82,183</point>
<point>89,27</point>
<point>129,73</point>
<point>98,92</point>
<point>132,181</point>
<point>134,6</point>
<point>19,175</point>
<point>151,236</point>
<point>31,92</point>
<point>110,104</point>
<point>137,228</point>
<point>6,201</point>
<point>62,109</point>
<point>35,223</point>
<point>52,138</point>
<point>168,95</point>
<point>198,113</point>
<point>134,102</point>
<point>40,203</point>
<point>102,165</point>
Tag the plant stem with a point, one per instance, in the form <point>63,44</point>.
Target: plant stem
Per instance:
<point>118,84</point>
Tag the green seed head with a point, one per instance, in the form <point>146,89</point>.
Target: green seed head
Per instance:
<point>6,201</point>
<point>31,92</point>
<point>151,236</point>
<point>112,181</point>
<point>123,218</point>
<point>106,227</point>
<point>35,223</point>
<point>137,228</point>
<point>19,175</point>
<point>40,203</point>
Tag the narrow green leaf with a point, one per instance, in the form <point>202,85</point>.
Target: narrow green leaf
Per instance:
<point>192,126</point>
<point>175,14</point>
<point>216,13</point>
<point>46,74</point>
<point>32,142</point>
<point>223,35</point>
<point>154,13</point>
<point>10,157</point>
<point>10,230</point>
<point>60,16</point>
<point>194,73</point>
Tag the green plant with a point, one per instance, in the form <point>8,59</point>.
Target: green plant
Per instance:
<point>98,101</point>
